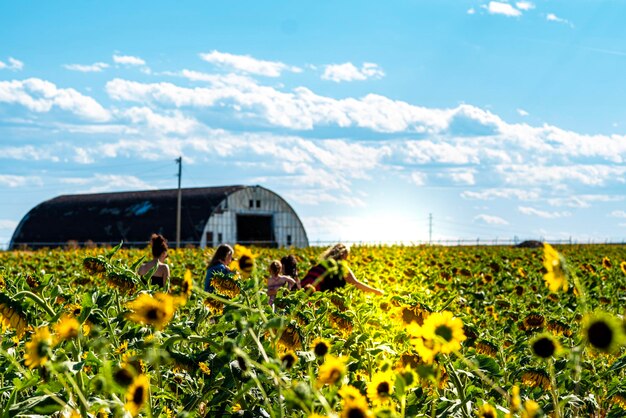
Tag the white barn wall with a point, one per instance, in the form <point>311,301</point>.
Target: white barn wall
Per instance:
<point>224,218</point>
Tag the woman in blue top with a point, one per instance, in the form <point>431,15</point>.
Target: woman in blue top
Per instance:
<point>221,259</point>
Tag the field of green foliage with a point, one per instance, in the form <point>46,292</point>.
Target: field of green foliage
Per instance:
<point>460,331</point>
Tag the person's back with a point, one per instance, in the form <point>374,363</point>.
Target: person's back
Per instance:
<point>276,280</point>
<point>161,275</point>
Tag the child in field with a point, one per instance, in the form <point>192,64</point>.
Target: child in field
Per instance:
<point>277,280</point>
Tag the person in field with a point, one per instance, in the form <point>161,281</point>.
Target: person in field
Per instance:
<point>277,280</point>
<point>333,272</point>
<point>219,264</point>
<point>290,268</point>
<point>161,275</point>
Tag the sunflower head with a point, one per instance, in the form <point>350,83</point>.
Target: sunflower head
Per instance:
<point>67,328</point>
<point>487,411</point>
<point>187,285</point>
<point>137,394</point>
<point>243,260</point>
<point>289,359</point>
<point>622,266</point>
<point>320,347</point>
<point>534,321</point>
<point>380,389</point>
<point>156,311</point>
<point>290,338</point>
<point>545,346</point>
<point>606,263</point>
<point>355,409</point>
<point>215,306</point>
<point>535,378</point>
<point>225,285</point>
<point>12,315</point>
<point>38,348</point>
<point>603,332</point>
<point>554,264</point>
<point>444,331</point>
<point>331,371</point>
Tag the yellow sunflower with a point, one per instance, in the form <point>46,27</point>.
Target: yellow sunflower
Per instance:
<point>445,330</point>
<point>426,349</point>
<point>156,311</point>
<point>204,368</point>
<point>225,285</point>
<point>604,332</point>
<point>67,328</point>
<point>606,263</point>
<point>290,338</point>
<point>38,348</point>
<point>215,306</point>
<point>487,411</point>
<point>289,359</point>
<point>622,266</point>
<point>137,394</point>
<point>536,378</point>
<point>619,399</point>
<point>379,390</point>
<point>320,347</point>
<point>331,372</point>
<point>12,315</point>
<point>350,393</point>
<point>243,260</point>
<point>545,346</point>
<point>356,409</point>
<point>187,285</point>
<point>531,409</point>
<point>554,264</point>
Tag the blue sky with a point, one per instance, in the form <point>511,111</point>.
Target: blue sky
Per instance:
<point>501,119</point>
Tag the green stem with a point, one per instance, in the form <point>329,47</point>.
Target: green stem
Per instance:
<point>483,376</point>
<point>553,390</point>
<point>459,388</point>
<point>39,301</point>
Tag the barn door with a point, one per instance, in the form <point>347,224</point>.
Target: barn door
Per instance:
<point>255,229</point>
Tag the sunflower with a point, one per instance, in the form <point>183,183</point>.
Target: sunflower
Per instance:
<point>603,331</point>
<point>156,311</point>
<point>516,400</point>
<point>619,399</point>
<point>12,315</point>
<point>534,321</point>
<point>187,285</point>
<point>290,338</point>
<point>204,368</point>
<point>38,348</point>
<point>331,371</point>
<point>225,285</point>
<point>487,411</point>
<point>355,409</point>
<point>487,348</point>
<point>94,265</point>
<point>67,328</point>
<point>545,346</point>
<point>137,394</point>
<point>289,359</point>
<point>379,390</point>
<point>622,266</point>
<point>243,261</point>
<point>73,309</point>
<point>320,347</point>
<point>445,330</point>
<point>531,409</point>
<point>559,328</point>
<point>536,378</point>
<point>407,314</point>
<point>606,263</point>
<point>215,306</point>
<point>349,393</point>
<point>341,322</point>
<point>554,264</point>
<point>426,349</point>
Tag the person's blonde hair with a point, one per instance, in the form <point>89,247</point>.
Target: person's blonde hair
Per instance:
<point>336,252</point>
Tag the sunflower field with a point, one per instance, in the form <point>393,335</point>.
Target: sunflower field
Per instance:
<point>460,331</point>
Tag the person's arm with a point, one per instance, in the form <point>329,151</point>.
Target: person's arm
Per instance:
<point>351,278</point>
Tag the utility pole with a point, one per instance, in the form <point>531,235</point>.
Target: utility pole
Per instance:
<point>179,161</point>
<point>430,229</point>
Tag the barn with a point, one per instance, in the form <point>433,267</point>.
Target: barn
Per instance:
<point>209,216</point>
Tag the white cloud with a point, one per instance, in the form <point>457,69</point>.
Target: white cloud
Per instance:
<point>551,17</point>
<point>462,176</point>
<point>490,219</point>
<point>113,182</point>
<point>582,201</point>
<point>91,68</point>
<point>496,7</point>
<point>14,65</point>
<point>525,5</point>
<point>471,11</point>
<point>128,60</point>
<point>174,122</point>
<point>349,72</point>
<point>41,96</point>
<point>522,112</point>
<point>14,181</point>
<point>618,214</point>
<point>418,178</point>
<point>248,64</point>
<point>589,175</point>
<point>526,210</point>
<point>503,193</point>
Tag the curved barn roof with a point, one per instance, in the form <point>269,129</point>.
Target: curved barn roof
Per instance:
<point>111,217</point>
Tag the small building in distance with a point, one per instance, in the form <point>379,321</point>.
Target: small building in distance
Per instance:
<point>248,215</point>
